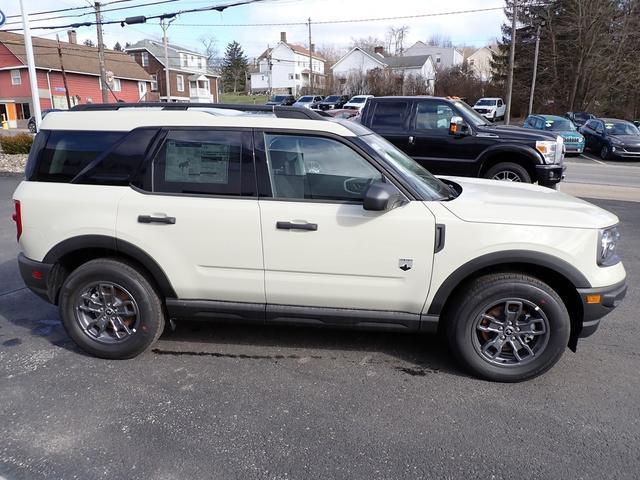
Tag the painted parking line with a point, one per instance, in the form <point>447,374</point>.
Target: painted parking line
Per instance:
<point>588,157</point>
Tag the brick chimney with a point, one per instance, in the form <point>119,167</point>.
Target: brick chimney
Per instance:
<point>72,36</point>
<point>283,37</point>
<point>379,50</point>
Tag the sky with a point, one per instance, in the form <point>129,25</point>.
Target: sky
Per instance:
<point>472,29</point>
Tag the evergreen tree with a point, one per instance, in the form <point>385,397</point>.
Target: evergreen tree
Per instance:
<point>117,47</point>
<point>89,43</point>
<point>234,68</point>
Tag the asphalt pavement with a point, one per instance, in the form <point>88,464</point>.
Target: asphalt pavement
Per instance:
<point>244,402</point>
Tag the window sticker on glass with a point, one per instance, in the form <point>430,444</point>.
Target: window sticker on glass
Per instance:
<point>197,162</point>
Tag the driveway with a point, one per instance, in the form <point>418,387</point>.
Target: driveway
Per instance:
<point>244,402</point>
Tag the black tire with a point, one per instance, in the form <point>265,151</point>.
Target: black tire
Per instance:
<point>123,283</point>
<point>505,170</point>
<point>604,152</point>
<point>487,293</point>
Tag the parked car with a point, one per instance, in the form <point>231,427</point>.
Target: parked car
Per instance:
<point>579,118</point>
<point>343,113</point>
<point>612,139</point>
<point>358,102</point>
<point>636,123</point>
<point>491,108</point>
<point>263,219</point>
<point>333,101</point>
<point>285,100</point>
<point>31,123</point>
<point>448,137</point>
<point>308,101</point>
<point>573,140</point>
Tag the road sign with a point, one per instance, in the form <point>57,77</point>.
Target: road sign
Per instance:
<point>3,18</point>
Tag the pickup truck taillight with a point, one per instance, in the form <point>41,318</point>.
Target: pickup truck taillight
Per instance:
<point>17,217</point>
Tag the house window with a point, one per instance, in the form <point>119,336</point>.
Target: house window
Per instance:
<point>154,83</point>
<point>23,111</point>
<point>200,63</point>
<point>437,58</point>
<point>115,85</point>
<point>180,83</point>
<point>471,62</point>
<point>297,76</point>
<point>16,79</point>
<point>145,59</point>
<point>291,76</point>
<point>193,85</point>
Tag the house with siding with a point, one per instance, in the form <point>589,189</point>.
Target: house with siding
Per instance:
<point>130,82</point>
<point>443,57</point>
<point>190,79</point>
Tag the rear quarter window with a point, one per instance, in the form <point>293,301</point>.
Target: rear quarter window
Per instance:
<point>389,116</point>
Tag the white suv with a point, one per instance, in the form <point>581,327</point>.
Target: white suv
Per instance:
<point>491,108</point>
<point>129,217</point>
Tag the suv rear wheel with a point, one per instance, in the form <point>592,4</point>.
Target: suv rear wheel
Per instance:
<point>508,327</point>
<point>110,309</point>
<point>509,172</point>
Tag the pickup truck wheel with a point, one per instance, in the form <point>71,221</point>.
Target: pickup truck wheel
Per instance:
<point>110,309</point>
<point>509,172</point>
<point>508,327</point>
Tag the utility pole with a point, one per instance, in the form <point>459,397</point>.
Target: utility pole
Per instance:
<point>310,61</point>
<point>33,82</point>
<point>164,24</point>
<point>535,68</point>
<point>64,74</point>
<point>103,69</point>
<point>512,56</point>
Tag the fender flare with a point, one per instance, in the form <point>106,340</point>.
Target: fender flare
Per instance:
<point>105,242</point>
<point>501,258</point>
<point>501,148</point>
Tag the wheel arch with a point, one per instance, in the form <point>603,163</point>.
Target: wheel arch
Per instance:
<point>557,273</point>
<point>73,252</point>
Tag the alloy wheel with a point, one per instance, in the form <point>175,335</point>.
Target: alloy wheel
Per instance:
<point>507,176</point>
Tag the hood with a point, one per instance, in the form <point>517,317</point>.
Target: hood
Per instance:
<point>518,133</point>
<point>633,140</point>
<point>492,201</point>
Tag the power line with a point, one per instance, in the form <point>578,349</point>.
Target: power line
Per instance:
<point>69,9</point>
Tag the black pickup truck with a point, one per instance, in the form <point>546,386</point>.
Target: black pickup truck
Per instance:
<point>448,137</point>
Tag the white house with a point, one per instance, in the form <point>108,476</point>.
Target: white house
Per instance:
<point>443,57</point>
<point>480,63</point>
<point>285,69</point>
<point>359,60</point>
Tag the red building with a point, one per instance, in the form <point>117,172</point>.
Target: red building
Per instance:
<point>130,82</point>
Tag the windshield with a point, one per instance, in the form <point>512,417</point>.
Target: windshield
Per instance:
<point>278,98</point>
<point>559,126</point>
<point>416,175</point>
<point>621,128</point>
<point>485,102</point>
<point>474,117</point>
<point>357,100</point>
<point>305,99</point>
<point>332,98</point>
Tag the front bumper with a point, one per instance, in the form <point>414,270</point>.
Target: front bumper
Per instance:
<point>35,276</point>
<point>598,302</point>
<point>574,148</point>
<point>549,175</point>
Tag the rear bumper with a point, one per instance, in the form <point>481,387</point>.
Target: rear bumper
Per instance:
<point>35,276</point>
<point>610,298</point>
<point>549,175</point>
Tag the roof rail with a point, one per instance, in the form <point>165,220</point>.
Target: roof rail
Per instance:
<point>278,111</point>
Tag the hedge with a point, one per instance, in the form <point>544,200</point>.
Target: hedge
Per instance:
<point>12,144</point>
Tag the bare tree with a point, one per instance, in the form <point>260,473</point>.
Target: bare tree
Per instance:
<point>211,52</point>
<point>438,40</point>
<point>395,39</point>
<point>368,44</point>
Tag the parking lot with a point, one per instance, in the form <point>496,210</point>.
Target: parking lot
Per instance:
<point>230,401</point>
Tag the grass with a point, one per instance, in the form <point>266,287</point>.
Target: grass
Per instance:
<point>245,99</point>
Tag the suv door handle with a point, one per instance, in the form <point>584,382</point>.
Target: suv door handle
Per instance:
<point>152,219</point>
<point>297,226</point>
<point>412,139</point>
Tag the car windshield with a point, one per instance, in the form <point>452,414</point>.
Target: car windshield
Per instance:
<point>621,128</point>
<point>419,178</point>
<point>559,126</point>
<point>332,98</point>
<point>278,98</point>
<point>581,116</point>
<point>305,99</point>
<point>471,115</point>
<point>357,100</point>
<point>484,102</point>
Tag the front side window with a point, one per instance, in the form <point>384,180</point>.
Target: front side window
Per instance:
<point>433,117</point>
<point>199,162</point>
<point>154,83</point>
<point>145,59</point>
<point>180,83</point>
<point>315,168</point>
<point>389,116</point>
<point>16,79</point>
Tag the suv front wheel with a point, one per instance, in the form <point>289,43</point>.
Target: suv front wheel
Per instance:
<point>110,309</point>
<point>508,327</point>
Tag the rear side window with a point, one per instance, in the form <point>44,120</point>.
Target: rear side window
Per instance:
<point>68,152</point>
<point>389,116</point>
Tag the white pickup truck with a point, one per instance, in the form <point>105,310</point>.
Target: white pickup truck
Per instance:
<point>491,108</point>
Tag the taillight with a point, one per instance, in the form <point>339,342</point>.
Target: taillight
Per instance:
<point>17,217</point>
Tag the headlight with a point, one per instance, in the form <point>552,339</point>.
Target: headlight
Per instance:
<point>548,149</point>
<point>607,246</point>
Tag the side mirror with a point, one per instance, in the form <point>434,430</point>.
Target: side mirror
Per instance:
<point>457,126</point>
<point>380,197</point>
